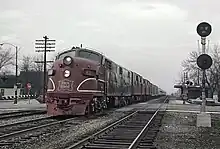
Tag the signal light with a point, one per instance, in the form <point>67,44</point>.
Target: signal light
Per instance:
<point>204,29</point>
<point>204,61</point>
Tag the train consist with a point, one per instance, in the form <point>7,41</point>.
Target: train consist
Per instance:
<point>83,82</point>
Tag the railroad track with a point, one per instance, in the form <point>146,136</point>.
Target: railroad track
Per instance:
<point>20,131</point>
<point>20,114</point>
<point>136,130</point>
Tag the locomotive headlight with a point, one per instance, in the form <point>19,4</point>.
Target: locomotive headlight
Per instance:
<point>67,60</point>
<point>66,73</point>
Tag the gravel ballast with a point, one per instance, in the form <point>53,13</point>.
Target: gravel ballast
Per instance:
<point>179,131</point>
<point>20,119</point>
<point>64,136</point>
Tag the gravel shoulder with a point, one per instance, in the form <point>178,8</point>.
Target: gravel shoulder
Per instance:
<point>20,119</point>
<point>179,131</point>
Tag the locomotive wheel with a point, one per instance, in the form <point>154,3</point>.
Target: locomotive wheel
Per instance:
<point>87,113</point>
<point>122,102</point>
<point>90,109</point>
<point>126,101</point>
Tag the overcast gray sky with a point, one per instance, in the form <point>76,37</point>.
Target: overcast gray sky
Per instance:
<point>147,36</point>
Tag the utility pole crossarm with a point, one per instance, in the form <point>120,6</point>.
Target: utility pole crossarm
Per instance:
<point>44,50</point>
<point>43,62</point>
<point>43,47</point>
<point>41,43</point>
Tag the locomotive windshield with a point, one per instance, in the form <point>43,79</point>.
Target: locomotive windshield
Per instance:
<point>68,53</point>
<point>90,55</point>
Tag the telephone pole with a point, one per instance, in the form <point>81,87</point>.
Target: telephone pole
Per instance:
<point>45,44</point>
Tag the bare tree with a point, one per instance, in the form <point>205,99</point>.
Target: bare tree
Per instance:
<point>179,80</point>
<point>6,58</point>
<point>33,63</point>
<point>212,74</point>
<point>27,63</point>
<point>191,67</point>
<point>6,72</point>
<point>38,65</point>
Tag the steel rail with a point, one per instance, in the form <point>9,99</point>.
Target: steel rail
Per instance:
<point>145,127</point>
<point>26,121</point>
<point>83,141</point>
<point>99,132</point>
<point>15,112</point>
<point>20,114</point>
<point>34,128</point>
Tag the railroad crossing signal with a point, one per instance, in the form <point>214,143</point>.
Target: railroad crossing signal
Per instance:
<point>204,61</point>
<point>204,29</point>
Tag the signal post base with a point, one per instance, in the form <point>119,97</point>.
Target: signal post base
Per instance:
<point>203,120</point>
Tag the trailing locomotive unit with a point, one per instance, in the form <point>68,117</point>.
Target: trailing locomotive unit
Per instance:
<point>83,82</point>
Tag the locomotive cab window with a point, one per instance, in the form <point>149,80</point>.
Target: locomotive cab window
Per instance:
<point>90,55</point>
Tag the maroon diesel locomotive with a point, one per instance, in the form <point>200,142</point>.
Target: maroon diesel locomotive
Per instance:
<point>83,82</point>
